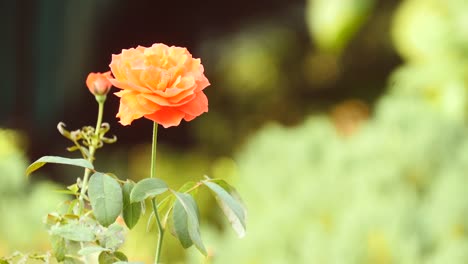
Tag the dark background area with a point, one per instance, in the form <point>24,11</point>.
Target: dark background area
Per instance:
<point>49,47</point>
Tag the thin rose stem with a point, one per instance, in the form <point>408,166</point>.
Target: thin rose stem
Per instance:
<point>153,201</point>
<point>92,148</point>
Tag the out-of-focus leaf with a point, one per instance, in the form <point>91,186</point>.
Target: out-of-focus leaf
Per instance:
<point>131,211</point>
<point>105,196</point>
<point>72,260</point>
<point>58,247</point>
<point>180,220</point>
<point>233,209</point>
<point>91,250</point>
<point>164,209</point>
<point>111,258</point>
<point>59,160</point>
<point>149,187</point>
<point>193,225</point>
<point>231,190</point>
<point>332,23</point>
<point>411,37</point>
<point>187,186</point>
<point>74,231</point>
<point>113,237</point>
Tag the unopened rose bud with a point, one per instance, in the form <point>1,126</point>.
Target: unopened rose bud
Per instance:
<point>98,83</point>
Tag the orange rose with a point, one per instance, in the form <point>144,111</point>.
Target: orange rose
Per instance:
<point>98,83</point>
<point>161,83</point>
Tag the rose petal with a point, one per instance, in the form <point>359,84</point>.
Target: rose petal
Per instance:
<point>189,118</point>
<point>202,83</point>
<point>126,115</point>
<point>130,108</point>
<point>128,86</point>
<point>182,97</point>
<point>150,106</point>
<point>197,106</point>
<point>166,117</point>
<point>159,100</point>
<point>151,78</point>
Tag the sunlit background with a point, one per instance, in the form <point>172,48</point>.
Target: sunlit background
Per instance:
<point>342,123</point>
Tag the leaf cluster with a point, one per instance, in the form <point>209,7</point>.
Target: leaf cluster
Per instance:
<point>78,230</point>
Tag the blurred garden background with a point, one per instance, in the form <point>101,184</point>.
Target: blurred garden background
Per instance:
<point>342,123</point>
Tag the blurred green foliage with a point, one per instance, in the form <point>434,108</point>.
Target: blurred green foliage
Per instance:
<point>22,204</point>
<point>391,192</point>
<point>334,22</point>
<point>433,37</point>
<point>426,30</point>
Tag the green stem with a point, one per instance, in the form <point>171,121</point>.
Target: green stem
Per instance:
<point>100,113</point>
<point>153,201</point>
<point>92,148</point>
<point>153,150</point>
<point>160,230</point>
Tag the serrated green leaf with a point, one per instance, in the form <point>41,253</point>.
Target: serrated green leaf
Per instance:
<point>65,192</point>
<point>180,221</point>
<point>131,211</point>
<point>112,175</point>
<point>58,247</point>
<point>143,208</point>
<point>58,160</point>
<point>52,219</point>
<point>164,209</point>
<point>231,190</point>
<point>73,188</point>
<point>73,205</point>
<point>150,223</point>
<point>105,196</point>
<point>111,258</point>
<point>146,188</point>
<point>91,250</point>
<point>72,260</point>
<point>232,208</point>
<point>113,237</point>
<point>74,231</point>
<point>71,217</point>
<point>193,225</point>
<point>120,256</point>
<point>107,258</point>
<point>187,186</point>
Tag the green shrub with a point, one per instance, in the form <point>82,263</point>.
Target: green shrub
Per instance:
<point>22,204</point>
<point>392,193</point>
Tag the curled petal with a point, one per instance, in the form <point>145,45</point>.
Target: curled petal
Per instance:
<point>197,106</point>
<point>130,108</point>
<point>167,117</point>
